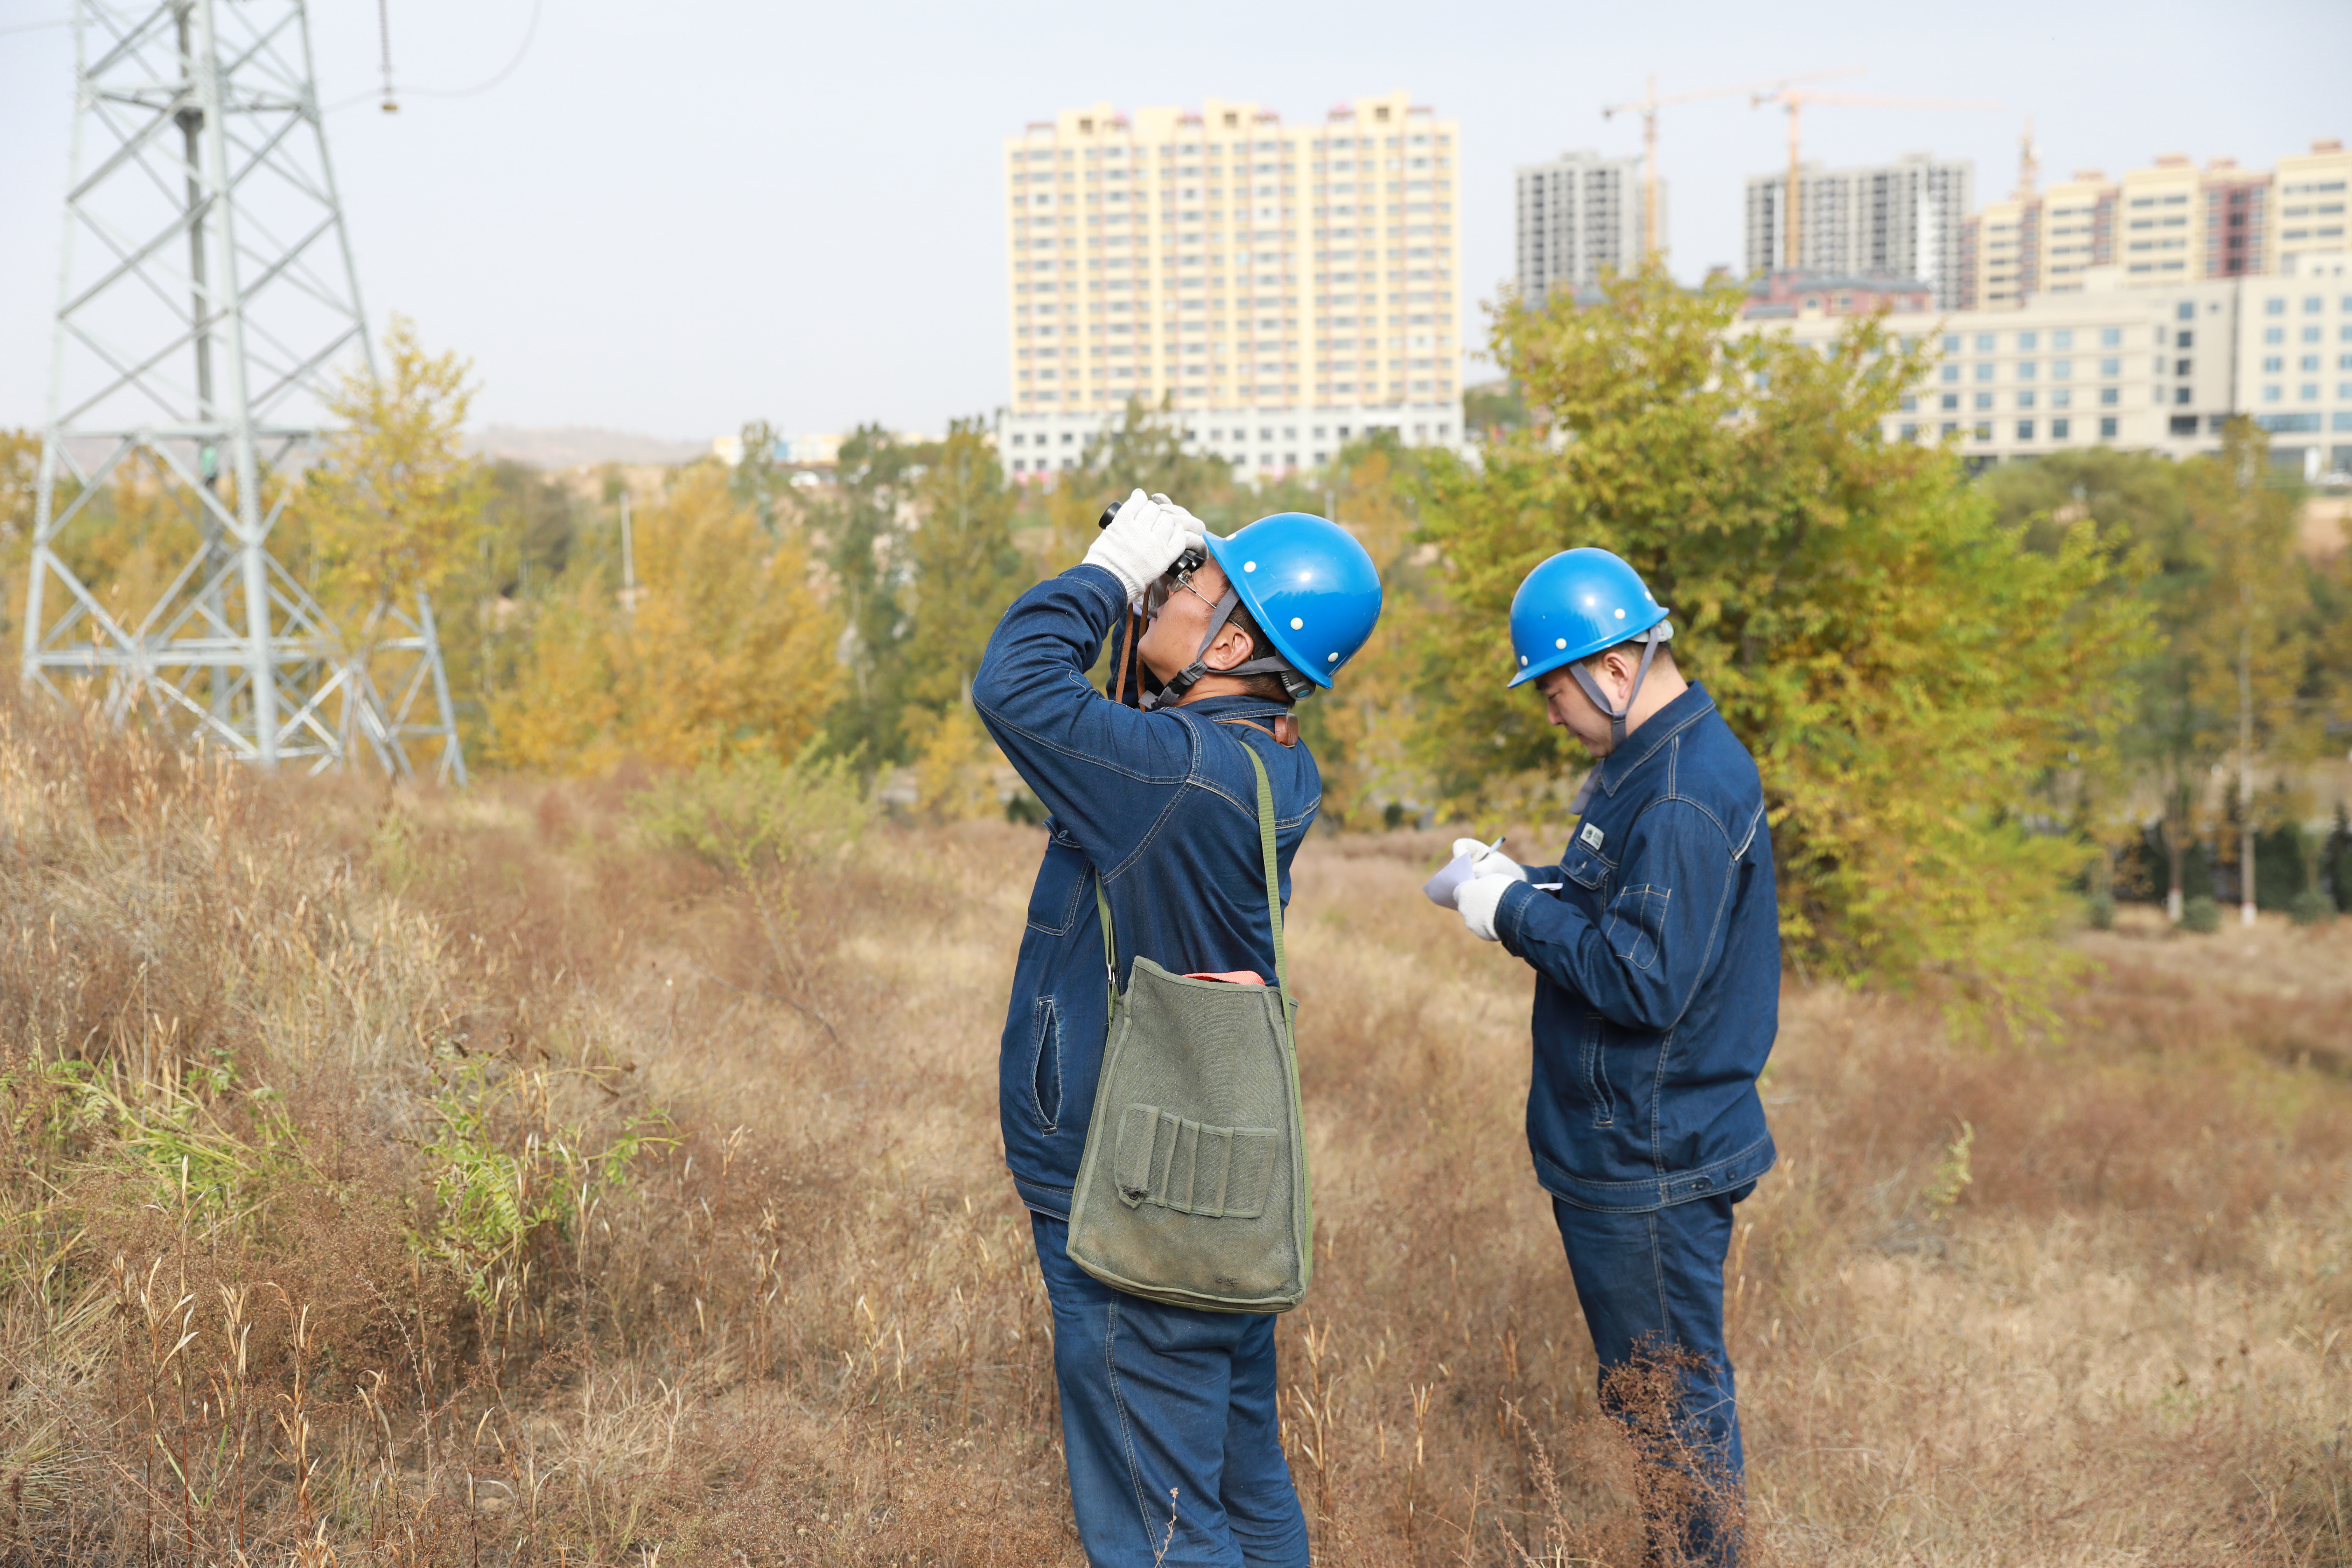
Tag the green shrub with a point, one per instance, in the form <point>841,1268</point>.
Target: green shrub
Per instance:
<point>2202,915</point>
<point>2310,908</point>
<point>2101,912</point>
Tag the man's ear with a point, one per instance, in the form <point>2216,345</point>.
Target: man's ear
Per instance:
<point>1229,648</point>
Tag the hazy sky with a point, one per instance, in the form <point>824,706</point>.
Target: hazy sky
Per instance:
<point>670,219</point>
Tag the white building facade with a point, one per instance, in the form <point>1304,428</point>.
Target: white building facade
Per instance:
<point>1903,219</point>
<point>1254,276</point>
<point>2127,366</point>
<point>1577,217</point>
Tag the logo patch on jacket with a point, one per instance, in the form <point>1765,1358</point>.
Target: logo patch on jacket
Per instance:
<point>1591,836</point>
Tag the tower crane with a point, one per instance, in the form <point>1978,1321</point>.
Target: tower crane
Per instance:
<point>1648,105</point>
<point>1794,100</point>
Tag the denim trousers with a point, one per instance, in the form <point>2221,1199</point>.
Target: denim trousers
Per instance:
<point>1651,1285</point>
<point>1158,1400</point>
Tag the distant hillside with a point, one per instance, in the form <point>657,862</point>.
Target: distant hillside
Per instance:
<point>572,445</point>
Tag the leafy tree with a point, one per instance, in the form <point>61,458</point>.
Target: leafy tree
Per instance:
<point>758,479</point>
<point>2248,643</point>
<point>396,504</point>
<point>965,568</point>
<point>20,467</point>
<point>1903,671</point>
<point>725,652</point>
<point>1359,729</point>
<point>863,533</point>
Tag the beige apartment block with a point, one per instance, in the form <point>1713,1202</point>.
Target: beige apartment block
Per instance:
<point>2307,214</point>
<point>1239,267</point>
<point>2169,223</point>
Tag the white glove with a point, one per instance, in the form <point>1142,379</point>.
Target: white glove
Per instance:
<point>1143,541</point>
<point>1485,862</point>
<point>1479,898</point>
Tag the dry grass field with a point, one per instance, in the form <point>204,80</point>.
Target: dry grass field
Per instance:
<point>467,1180</point>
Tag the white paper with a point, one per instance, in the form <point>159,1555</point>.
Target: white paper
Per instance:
<point>1450,876</point>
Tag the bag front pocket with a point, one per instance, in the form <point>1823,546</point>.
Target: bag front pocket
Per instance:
<point>1217,1172</point>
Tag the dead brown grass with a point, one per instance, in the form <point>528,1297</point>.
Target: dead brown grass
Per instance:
<point>2082,1300</point>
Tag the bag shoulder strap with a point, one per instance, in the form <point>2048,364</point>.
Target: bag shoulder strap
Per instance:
<point>1273,877</point>
<point>1265,844</point>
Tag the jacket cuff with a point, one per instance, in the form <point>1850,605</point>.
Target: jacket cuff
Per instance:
<point>1508,915</point>
<point>1105,582</point>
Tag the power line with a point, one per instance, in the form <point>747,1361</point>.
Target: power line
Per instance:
<point>529,37</point>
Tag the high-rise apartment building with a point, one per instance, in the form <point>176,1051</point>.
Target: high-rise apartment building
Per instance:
<point>1899,220</point>
<point>2307,217</point>
<point>2037,242</point>
<point>1579,215</point>
<point>1262,278</point>
<point>2166,224</point>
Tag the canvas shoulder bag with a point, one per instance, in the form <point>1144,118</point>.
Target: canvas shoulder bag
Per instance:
<point>1192,1189</point>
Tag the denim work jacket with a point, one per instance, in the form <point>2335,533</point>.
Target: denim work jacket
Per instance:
<point>1658,973</point>
<point>1164,805</point>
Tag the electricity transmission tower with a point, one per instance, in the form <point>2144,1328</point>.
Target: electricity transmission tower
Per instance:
<point>206,294</point>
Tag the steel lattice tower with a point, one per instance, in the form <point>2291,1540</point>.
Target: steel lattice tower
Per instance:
<point>206,294</point>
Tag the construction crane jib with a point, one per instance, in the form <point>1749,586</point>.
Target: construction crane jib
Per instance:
<point>206,298</point>
<point>1794,100</point>
<point>1647,107</point>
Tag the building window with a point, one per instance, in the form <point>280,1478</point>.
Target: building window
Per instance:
<point>2107,429</point>
<point>2109,337</point>
<point>2025,400</point>
<point>2310,362</point>
<point>1909,404</point>
<point>2312,305</point>
<point>1951,401</point>
<point>2062,398</point>
<point>1952,372</point>
<point>2025,429</point>
<point>2274,336</point>
<point>1984,430</point>
<point>1984,400</point>
<point>1984,370</point>
<point>2185,311</point>
<point>1984,342</point>
<point>2111,367</point>
<point>2025,368</point>
<point>2064,338</point>
<point>2058,428</point>
<point>2059,369</point>
<point>2184,424</point>
<point>2109,396</point>
<point>2180,395</point>
<point>1952,340</point>
<point>2272,393</point>
<point>2273,365</point>
<point>2274,306</point>
<point>2310,393</point>
<point>1910,432</point>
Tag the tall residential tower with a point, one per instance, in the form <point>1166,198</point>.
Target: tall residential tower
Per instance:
<point>1285,287</point>
<point>1895,220</point>
<point>1579,214</point>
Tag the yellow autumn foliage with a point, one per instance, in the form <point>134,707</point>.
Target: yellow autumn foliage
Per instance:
<point>726,652</point>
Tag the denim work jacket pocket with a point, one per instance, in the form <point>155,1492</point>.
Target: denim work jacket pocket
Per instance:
<point>1061,885</point>
<point>1637,922</point>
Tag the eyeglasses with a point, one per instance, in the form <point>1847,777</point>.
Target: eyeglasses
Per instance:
<point>1178,577</point>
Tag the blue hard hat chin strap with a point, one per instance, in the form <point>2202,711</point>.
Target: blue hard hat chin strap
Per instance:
<point>1172,691</point>
<point>1617,716</point>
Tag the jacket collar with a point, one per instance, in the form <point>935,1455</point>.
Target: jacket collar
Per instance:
<point>1231,705</point>
<point>1658,729</point>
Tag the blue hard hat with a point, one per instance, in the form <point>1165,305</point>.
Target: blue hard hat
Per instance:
<point>1575,605</point>
<point>1308,584</point>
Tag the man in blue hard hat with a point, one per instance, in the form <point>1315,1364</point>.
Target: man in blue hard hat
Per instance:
<point>1169,1414</point>
<point>1657,961</point>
